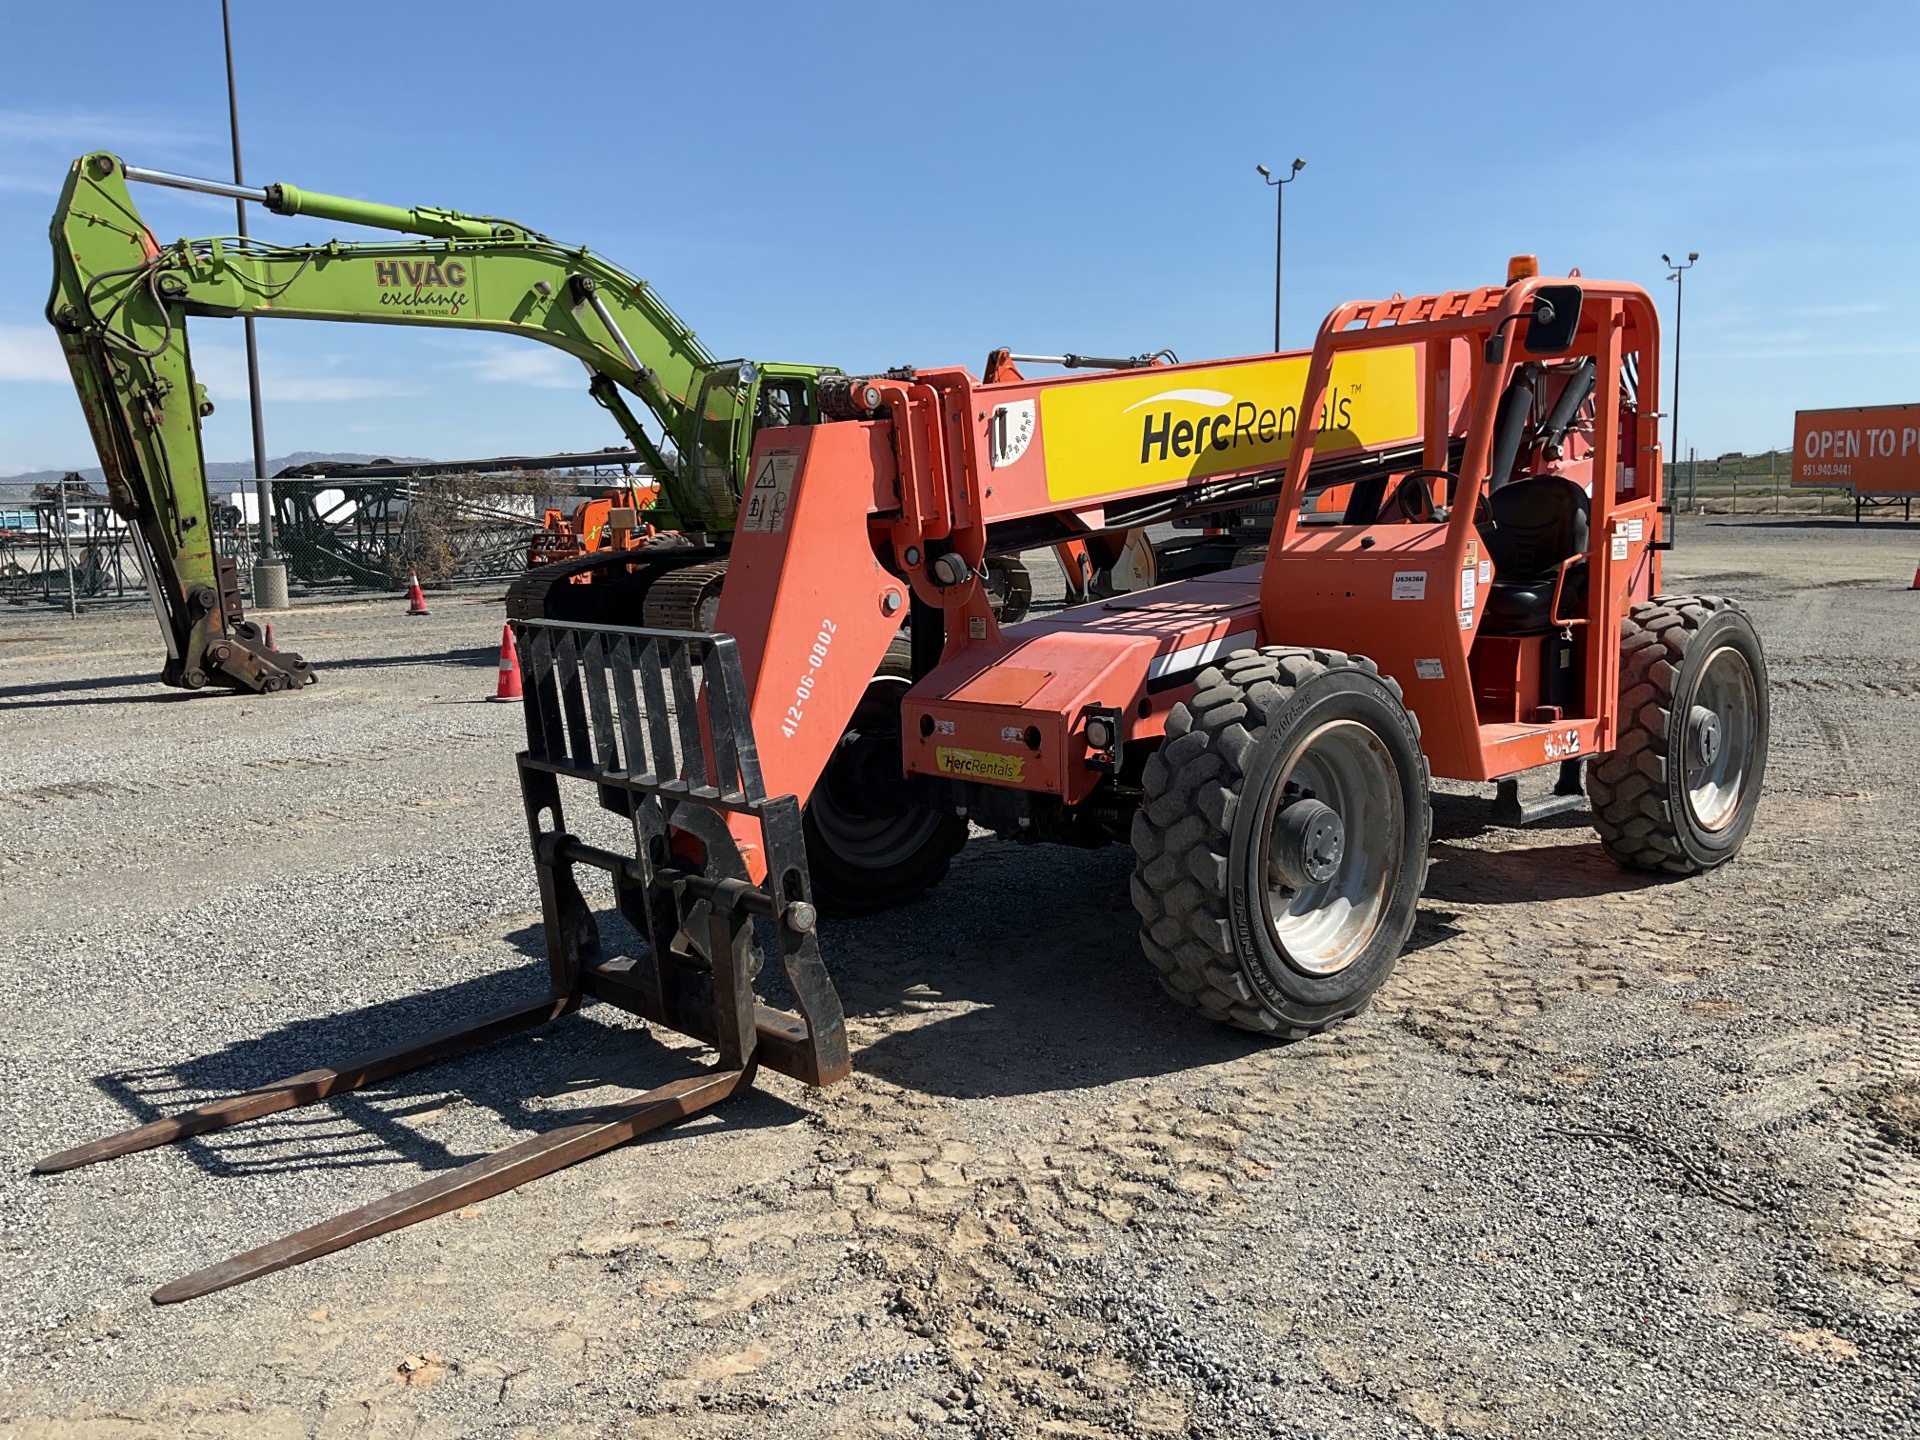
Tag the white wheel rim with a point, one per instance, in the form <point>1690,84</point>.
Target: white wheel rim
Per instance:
<point>1717,784</point>
<point>1320,929</point>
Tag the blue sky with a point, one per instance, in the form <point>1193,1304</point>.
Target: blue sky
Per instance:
<point>867,186</point>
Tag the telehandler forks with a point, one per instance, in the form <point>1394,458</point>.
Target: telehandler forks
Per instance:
<point>655,722</point>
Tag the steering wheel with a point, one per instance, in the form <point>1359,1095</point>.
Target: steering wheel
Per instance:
<point>1413,496</point>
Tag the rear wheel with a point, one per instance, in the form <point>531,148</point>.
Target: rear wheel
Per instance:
<point>1282,843</point>
<point>869,847</point>
<point>1679,790</point>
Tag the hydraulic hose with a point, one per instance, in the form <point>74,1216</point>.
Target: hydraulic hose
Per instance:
<point>1578,387</point>
<point>1510,424</point>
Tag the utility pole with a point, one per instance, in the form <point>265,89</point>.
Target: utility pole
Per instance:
<point>263,486</point>
<point>66,551</point>
<point>1679,278</point>
<point>269,578</point>
<point>1279,215</point>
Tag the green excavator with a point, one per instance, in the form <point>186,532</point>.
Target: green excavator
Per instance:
<point>121,301</point>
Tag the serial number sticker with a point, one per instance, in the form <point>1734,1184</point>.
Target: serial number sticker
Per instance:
<point>943,727</point>
<point>1561,744</point>
<point>981,764</point>
<point>1620,544</point>
<point>1429,670</point>
<point>771,494</point>
<point>1012,733</point>
<point>796,715</point>
<point>1409,584</point>
<point>1466,589</point>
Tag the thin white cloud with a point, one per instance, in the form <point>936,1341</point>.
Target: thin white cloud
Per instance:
<point>1833,312</point>
<point>223,370</point>
<point>30,353</point>
<point>526,363</point>
<point>79,130</point>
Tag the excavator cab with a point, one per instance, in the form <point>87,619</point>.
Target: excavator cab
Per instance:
<point>736,400</point>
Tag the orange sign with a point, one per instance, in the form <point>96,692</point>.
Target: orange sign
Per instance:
<point>1871,449</point>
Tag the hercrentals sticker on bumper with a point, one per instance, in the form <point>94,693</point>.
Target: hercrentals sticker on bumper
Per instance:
<point>981,764</point>
<point>1154,427</point>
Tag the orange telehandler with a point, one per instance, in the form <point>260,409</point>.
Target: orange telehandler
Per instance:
<point>1489,603</point>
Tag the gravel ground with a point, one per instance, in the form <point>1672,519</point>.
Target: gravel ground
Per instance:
<point>1607,1157</point>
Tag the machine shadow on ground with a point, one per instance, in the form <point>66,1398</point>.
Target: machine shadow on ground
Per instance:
<point>27,697</point>
<point>1047,993</point>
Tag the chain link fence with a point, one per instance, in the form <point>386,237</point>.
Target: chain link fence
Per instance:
<point>1751,485</point>
<point>62,544</point>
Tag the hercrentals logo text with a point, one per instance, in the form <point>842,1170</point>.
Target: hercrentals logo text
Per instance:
<point>1142,428</point>
<point>1247,423</point>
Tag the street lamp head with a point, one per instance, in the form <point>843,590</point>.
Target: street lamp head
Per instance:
<point>1299,165</point>
<point>1265,173</point>
<point>1666,259</point>
<point>1692,255</point>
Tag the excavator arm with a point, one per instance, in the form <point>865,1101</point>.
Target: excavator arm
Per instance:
<point>120,303</point>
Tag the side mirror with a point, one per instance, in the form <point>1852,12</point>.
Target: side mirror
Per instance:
<point>1554,321</point>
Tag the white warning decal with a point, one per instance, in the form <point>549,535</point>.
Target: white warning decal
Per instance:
<point>772,492</point>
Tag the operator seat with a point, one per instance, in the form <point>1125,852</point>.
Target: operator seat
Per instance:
<point>1533,524</point>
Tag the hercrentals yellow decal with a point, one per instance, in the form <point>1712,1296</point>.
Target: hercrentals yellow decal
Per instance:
<point>1156,427</point>
<point>981,764</point>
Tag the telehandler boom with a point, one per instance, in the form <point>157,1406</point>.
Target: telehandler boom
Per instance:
<point>1488,603</point>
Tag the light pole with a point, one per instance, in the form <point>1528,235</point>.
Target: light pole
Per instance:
<point>1279,211</point>
<point>263,487</point>
<point>1679,278</point>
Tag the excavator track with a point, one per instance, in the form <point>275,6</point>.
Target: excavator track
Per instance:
<point>620,596</point>
<point>687,598</point>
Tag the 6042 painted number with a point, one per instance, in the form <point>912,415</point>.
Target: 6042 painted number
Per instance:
<point>816,657</point>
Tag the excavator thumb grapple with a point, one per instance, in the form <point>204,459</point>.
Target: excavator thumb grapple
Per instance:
<point>656,722</point>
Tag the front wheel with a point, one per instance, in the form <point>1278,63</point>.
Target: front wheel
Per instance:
<point>1679,789</point>
<point>1282,842</point>
<point>869,847</point>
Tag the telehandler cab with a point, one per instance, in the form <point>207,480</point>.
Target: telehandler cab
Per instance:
<point>1489,603</point>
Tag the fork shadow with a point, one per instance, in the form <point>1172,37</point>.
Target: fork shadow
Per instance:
<point>554,1075</point>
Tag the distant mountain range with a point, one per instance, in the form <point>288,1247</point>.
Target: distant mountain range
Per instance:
<point>216,470</point>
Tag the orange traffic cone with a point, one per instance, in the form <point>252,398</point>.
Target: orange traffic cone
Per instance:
<point>416,597</point>
<point>1916,579</point>
<point>509,686</point>
<point>270,644</point>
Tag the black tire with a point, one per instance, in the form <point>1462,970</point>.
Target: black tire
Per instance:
<point>1209,870</point>
<point>868,848</point>
<point>1681,655</point>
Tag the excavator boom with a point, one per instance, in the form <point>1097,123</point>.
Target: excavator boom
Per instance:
<point>120,303</point>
